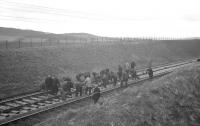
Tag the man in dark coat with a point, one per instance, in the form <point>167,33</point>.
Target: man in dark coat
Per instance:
<point>43,86</point>
<point>55,85</point>
<point>96,94</point>
<point>120,72</point>
<point>56,81</point>
<point>49,84</point>
<point>94,74</point>
<point>133,64</point>
<point>124,79</point>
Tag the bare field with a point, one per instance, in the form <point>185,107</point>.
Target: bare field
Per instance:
<point>172,100</point>
<point>24,69</point>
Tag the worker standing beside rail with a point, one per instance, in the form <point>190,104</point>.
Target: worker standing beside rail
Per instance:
<point>120,72</point>
<point>88,85</point>
<point>94,77</point>
<point>79,88</point>
<point>48,82</point>
<point>127,67</point>
<point>105,80</point>
<point>133,64</point>
<point>56,85</point>
<point>78,77</point>
<point>113,78</point>
<point>124,79</point>
<point>50,85</point>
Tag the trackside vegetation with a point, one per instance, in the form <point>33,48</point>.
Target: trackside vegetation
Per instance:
<point>173,100</point>
<point>23,70</point>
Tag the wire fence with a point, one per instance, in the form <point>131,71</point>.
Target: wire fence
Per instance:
<point>22,44</point>
<point>43,43</point>
<point>25,44</point>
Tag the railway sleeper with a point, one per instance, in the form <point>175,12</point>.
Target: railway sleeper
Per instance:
<point>4,108</point>
<point>16,105</point>
<point>25,105</point>
<point>21,102</point>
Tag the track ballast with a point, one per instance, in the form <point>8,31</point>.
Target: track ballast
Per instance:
<point>28,105</point>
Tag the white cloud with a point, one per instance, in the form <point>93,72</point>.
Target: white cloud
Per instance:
<point>107,17</point>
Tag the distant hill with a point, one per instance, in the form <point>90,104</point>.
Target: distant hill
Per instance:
<point>13,34</point>
<point>19,32</point>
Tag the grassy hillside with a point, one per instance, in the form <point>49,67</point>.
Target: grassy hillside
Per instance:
<point>13,34</point>
<point>24,69</point>
<point>172,100</point>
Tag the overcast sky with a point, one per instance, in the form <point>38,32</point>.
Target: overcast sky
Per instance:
<point>120,18</point>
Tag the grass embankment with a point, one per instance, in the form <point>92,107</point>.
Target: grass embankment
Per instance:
<point>172,100</point>
<point>24,69</point>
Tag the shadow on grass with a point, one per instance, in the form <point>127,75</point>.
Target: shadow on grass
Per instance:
<point>172,100</point>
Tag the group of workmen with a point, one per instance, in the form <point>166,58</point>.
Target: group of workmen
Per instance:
<point>90,83</point>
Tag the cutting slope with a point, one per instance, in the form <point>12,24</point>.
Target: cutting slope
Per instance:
<point>172,100</point>
<point>24,69</point>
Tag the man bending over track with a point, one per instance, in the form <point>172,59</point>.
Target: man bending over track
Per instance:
<point>67,86</point>
<point>149,71</point>
<point>96,94</point>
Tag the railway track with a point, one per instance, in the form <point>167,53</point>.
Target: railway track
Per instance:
<point>32,104</point>
<point>37,92</point>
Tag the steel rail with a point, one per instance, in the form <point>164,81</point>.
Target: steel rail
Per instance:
<point>159,67</point>
<point>40,110</point>
<point>168,64</point>
<point>54,106</point>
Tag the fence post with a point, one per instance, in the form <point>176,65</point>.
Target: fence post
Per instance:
<point>65,41</point>
<point>57,42</point>
<point>6,44</point>
<point>41,42</point>
<point>31,43</point>
<point>19,44</point>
